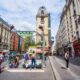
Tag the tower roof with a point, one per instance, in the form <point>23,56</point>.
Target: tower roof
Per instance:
<point>42,11</point>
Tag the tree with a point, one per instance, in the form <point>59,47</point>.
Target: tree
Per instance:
<point>39,43</point>
<point>29,41</point>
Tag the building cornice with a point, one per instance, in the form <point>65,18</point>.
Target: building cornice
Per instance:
<point>65,9</point>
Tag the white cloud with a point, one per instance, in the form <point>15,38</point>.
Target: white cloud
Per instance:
<point>24,26</point>
<point>23,12</point>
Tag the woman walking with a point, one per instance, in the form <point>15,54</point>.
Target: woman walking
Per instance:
<point>67,59</point>
<point>33,60</point>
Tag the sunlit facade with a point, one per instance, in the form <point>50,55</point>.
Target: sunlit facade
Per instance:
<point>4,35</point>
<point>69,29</point>
<point>43,19</point>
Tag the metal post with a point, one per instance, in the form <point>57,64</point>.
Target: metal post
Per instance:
<point>9,43</point>
<point>43,54</point>
<point>43,46</point>
<point>9,38</point>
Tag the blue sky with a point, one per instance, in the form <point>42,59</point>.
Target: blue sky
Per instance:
<point>22,13</point>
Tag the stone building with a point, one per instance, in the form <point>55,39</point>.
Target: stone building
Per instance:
<point>4,35</point>
<point>69,28</point>
<point>43,19</point>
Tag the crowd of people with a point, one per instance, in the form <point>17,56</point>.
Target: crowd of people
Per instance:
<point>28,61</point>
<point>27,58</point>
<point>14,63</point>
<point>3,58</point>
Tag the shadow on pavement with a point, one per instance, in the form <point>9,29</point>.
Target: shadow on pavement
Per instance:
<point>74,61</point>
<point>63,67</point>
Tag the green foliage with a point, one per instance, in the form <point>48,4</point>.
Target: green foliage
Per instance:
<point>29,41</point>
<point>39,43</point>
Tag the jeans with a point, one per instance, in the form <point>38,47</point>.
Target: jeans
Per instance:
<point>67,63</point>
<point>33,62</point>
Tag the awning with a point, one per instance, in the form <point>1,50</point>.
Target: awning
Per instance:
<point>5,51</point>
<point>39,51</point>
<point>46,49</point>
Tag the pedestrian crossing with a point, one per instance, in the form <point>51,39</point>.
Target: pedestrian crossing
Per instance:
<point>20,68</point>
<point>26,70</point>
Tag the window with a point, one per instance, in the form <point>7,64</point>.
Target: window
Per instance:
<point>0,30</point>
<point>42,12</point>
<point>0,39</point>
<point>74,13</point>
<point>79,20</point>
<point>42,20</point>
<point>76,24</point>
<point>72,36</point>
<point>73,4</point>
<point>77,33</point>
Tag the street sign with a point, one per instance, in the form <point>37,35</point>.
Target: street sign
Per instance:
<point>23,34</point>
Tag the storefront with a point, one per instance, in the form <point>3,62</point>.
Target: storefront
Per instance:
<point>0,51</point>
<point>76,45</point>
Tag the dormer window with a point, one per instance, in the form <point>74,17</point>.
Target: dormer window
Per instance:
<point>42,12</point>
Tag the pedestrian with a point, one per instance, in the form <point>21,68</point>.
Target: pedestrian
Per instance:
<point>33,60</point>
<point>16,61</point>
<point>26,58</point>
<point>67,59</point>
<point>12,65</point>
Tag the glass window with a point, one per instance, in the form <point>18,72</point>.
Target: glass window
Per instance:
<point>42,20</point>
<point>77,33</point>
<point>42,12</point>
<point>76,24</point>
<point>0,30</point>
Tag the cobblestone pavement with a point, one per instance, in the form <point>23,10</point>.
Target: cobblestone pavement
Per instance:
<point>45,75</point>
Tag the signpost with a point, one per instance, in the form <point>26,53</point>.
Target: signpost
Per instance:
<point>23,34</point>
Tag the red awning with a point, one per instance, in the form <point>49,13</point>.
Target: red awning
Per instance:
<point>46,49</point>
<point>39,51</point>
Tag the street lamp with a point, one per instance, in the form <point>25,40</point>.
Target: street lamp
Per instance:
<point>43,46</point>
<point>9,40</point>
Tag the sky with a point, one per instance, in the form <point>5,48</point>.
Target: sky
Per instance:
<point>22,13</point>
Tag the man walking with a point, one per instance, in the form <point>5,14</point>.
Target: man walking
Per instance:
<point>67,59</point>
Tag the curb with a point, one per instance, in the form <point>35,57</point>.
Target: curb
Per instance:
<point>55,72</point>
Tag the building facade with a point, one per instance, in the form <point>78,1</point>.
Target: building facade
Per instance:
<point>4,35</point>
<point>43,20</point>
<point>17,43</point>
<point>69,28</point>
<point>23,46</point>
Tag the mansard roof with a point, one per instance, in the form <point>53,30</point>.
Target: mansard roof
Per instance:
<point>42,12</point>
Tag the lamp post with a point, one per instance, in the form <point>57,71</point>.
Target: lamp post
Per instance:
<point>9,43</point>
<point>43,46</point>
